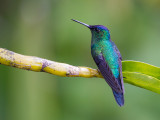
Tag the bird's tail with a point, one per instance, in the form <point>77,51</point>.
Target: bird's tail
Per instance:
<point>119,97</point>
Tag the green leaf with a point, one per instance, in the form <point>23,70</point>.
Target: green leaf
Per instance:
<point>142,75</point>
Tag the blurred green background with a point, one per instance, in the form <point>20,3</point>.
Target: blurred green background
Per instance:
<point>43,28</point>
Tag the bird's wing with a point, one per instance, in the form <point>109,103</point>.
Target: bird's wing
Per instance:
<point>121,76</point>
<point>120,67</point>
<point>107,73</point>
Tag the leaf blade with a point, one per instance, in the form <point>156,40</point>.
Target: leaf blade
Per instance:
<point>142,75</point>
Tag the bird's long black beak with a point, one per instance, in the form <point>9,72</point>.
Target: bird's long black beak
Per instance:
<point>82,23</point>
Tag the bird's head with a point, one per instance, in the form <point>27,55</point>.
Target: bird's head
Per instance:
<point>98,31</point>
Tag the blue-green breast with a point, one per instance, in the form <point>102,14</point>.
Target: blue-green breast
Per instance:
<point>107,49</point>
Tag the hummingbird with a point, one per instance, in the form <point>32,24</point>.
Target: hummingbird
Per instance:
<point>108,59</point>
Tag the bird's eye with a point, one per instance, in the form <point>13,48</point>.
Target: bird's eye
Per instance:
<point>97,30</point>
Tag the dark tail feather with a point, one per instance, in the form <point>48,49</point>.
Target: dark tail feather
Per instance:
<point>119,97</point>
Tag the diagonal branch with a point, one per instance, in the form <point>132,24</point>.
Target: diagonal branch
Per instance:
<point>136,73</point>
<point>37,64</point>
